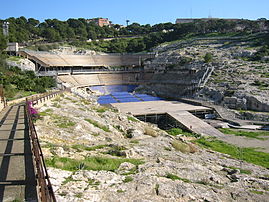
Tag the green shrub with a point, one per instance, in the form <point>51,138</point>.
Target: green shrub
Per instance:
<point>208,57</point>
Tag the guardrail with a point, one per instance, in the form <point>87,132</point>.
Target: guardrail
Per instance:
<point>35,99</point>
<point>45,189</point>
<point>2,97</point>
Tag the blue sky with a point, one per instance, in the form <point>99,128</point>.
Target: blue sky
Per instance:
<point>141,11</point>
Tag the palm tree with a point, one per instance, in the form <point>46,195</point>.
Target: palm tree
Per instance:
<point>127,22</point>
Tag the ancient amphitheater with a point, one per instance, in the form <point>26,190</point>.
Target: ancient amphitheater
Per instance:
<point>100,122</point>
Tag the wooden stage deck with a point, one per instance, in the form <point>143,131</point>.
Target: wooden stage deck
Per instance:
<point>157,107</point>
<point>178,110</point>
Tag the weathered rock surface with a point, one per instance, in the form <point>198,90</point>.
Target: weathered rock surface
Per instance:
<point>200,176</point>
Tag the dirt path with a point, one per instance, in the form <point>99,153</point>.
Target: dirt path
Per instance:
<point>261,145</point>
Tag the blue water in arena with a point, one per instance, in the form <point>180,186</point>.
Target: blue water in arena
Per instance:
<point>121,94</point>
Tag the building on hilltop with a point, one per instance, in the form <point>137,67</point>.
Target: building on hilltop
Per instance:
<point>100,21</point>
<point>189,20</point>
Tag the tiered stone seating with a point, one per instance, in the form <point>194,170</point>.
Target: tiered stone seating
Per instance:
<point>105,79</point>
<point>110,79</point>
<point>68,79</point>
<point>83,79</point>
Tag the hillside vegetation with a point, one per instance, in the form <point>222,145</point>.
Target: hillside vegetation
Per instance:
<point>144,37</point>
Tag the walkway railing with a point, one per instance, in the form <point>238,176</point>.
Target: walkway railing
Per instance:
<point>45,189</point>
<point>2,97</point>
<point>35,99</point>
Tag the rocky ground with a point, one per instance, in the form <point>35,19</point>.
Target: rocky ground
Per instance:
<point>236,82</point>
<point>95,153</point>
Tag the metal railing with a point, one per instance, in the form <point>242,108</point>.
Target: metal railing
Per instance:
<point>2,96</point>
<point>45,189</point>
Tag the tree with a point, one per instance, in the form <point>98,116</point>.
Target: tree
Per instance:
<point>51,35</point>
<point>3,42</point>
<point>33,22</point>
<point>136,45</point>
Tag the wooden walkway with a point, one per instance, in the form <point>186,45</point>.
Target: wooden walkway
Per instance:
<point>17,176</point>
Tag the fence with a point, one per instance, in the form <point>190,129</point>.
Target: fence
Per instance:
<point>45,190</point>
<point>3,100</point>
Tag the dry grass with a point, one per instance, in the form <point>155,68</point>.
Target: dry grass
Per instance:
<point>150,131</point>
<point>183,147</point>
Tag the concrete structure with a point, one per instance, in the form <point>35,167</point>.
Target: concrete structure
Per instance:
<point>180,113</point>
<point>47,62</point>
<point>12,47</point>
<point>5,28</point>
<point>100,21</point>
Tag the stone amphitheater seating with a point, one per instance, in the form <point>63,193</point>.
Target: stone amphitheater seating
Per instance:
<point>55,60</point>
<point>91,79</point>
<point>147,76</point>
<point>104,79</point>
<point>110,79</point>
<point>69,79</point>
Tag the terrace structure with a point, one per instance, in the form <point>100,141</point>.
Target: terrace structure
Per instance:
<point>50,64</point>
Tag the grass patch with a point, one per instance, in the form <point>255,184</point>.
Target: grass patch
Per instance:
<point>57,99</point>
<point>18,200</point>
<point>85,102</point>
<point>130,118</point>
<point>257,192</point>
<point>167,148</point>
<point>15,58</point>
<point>175,177</point>
<point>47,112</point>
<point>93,182</point>
<point>246,154</point>
<point>248,134</point>
<point>98,125</point>
<point>179,131</point>
<point>79,195</point>
<point>68,179</point>
<point>56,105</point>
<point>101,109</point>
<point>128,179</point>
<point>62,121</point>
<point>95,134</point>
<point>120,191</point>
<point>90,163</point>
<point>183,147</point>
<point>134,141</point>
<point>80,147</point>
<point>116,150</point>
